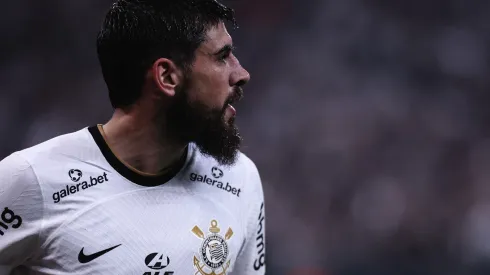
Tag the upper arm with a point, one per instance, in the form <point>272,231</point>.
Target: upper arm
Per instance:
<point>251,259</point>
<point>21,205</point>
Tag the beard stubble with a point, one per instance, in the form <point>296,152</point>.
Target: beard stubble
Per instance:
<point>193,121</point>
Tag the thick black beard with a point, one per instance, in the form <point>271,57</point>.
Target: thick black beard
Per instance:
<point>192,121</point>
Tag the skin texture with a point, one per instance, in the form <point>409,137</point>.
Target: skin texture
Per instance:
<point>216,78</point>
<point>178,107</point>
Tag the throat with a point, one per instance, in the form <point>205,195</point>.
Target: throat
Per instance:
<point>144,157</point>
<point>152,165</point>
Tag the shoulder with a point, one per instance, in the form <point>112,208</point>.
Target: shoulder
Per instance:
<point>32,167</point>
<point>252,178</point>
<point>249,166</point>
<point>21,199</point>
<point>21,210</point>
<point>16,177</point>
<point>20,171</point>
<point>67,144</point>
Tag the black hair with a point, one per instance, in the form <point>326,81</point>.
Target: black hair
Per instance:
<point>135,33</point>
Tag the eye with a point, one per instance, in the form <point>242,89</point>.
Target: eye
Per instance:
<point>226,53</point>
<point>224,56</point>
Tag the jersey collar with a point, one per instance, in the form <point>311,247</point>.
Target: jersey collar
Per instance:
<point>130,174</point>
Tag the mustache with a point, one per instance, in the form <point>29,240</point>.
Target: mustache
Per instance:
<point>235,96</point>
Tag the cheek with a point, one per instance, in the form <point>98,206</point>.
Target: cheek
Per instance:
<point>212,88</point>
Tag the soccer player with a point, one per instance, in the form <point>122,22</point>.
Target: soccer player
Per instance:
<point>161,188</point>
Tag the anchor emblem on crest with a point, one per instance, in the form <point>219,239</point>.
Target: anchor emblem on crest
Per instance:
<point>213,251</point>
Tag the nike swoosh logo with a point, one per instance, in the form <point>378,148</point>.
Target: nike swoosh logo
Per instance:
<point>82,258</point>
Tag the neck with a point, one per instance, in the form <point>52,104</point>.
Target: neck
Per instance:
<point>141,143</point>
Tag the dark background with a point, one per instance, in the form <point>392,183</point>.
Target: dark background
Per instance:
<point>367,119</point>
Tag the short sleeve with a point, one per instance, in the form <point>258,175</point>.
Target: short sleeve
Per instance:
<point>21,211</point>
<point>251,260</point>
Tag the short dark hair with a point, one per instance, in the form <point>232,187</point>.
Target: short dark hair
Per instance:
<point>135,33</point>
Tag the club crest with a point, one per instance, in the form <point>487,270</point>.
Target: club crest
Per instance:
<point>213,253</point>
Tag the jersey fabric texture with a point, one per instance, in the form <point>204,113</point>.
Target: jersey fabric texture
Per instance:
<point>70,206</point>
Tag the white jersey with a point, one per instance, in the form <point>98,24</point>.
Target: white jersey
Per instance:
<point>70,206</point>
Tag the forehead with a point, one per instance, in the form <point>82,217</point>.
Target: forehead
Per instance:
<point>216,38</point>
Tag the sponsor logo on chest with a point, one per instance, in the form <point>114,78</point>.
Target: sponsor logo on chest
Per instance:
<point>157,261</point>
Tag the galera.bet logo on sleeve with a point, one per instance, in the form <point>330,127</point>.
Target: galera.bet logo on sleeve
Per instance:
<point>76,176</point>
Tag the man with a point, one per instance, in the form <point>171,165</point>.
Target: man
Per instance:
<point>159,189</point>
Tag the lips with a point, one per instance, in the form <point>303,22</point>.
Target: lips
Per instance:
<point>232,109</point>
<point>236,96</point>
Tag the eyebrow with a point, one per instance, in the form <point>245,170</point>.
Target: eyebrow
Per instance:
<point>224,49</point>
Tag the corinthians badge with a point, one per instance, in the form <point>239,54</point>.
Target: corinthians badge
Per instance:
<point>213,251</point>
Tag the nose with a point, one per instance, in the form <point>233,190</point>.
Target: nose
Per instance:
<point>240,77</point>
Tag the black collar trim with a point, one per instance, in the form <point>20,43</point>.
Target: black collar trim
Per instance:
<point>143,180</point>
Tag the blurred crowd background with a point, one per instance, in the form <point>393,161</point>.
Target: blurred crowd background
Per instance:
<point>368,120</point>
